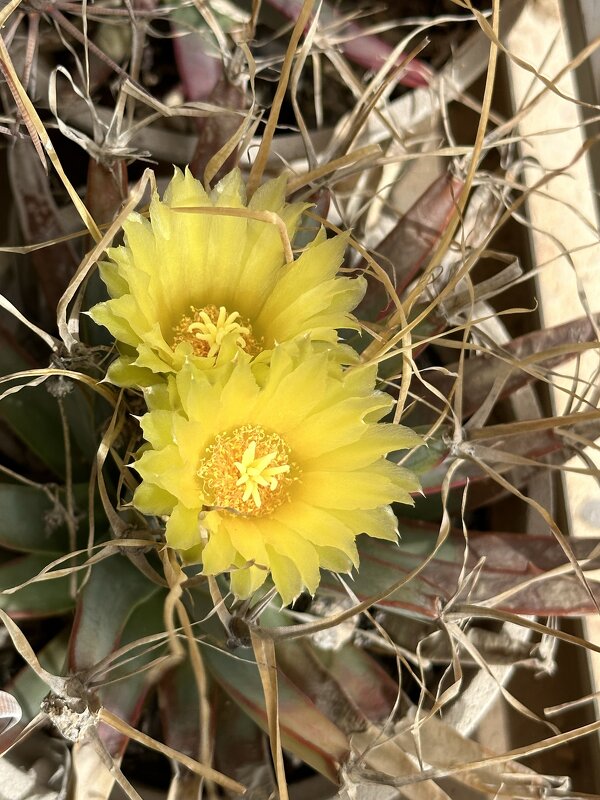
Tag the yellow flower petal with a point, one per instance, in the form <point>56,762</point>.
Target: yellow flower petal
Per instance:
<point>158,428</point>
<point>289,464</point>
<point>152,499</point>
<point>286,576</point>
<point>123,372</point>
<point>270,196</point>
<point>358,489</point>
<point>335,427</point>
<point>286,403</point>
<point>184,260</point>
<point>335,560</point>
<point>380,523</point>
<point>183,528</point>
<point>165,469</point>
<point>247,538</point>
<point>246,580</point>
<point>106,315</point>
<point>219,554</point>
<point>286,542</point>
<point>374,441</point>
<point>185,190</point>
<point>321,528</point>
<point>115,282</point>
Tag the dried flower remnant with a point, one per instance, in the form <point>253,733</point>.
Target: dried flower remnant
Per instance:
<point>273,476</point>
<point>209,277</point>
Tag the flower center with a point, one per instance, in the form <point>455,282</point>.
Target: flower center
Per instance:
<point>247,471</point>
<point>206,328</point>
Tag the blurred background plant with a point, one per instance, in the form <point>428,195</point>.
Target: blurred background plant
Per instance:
<point>399,125</point>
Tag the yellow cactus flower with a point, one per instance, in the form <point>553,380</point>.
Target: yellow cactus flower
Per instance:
<point>209,276</point>
<point>277,475</point>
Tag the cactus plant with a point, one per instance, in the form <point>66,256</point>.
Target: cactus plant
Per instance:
<point>257,441</point>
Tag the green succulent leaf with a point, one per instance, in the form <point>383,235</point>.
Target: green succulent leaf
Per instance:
<point>179,709</point>
<point>405,250</point>
<point>241,748</point>
<point>33,415</point>
<point>305,730</point>
<point>27,687</point>
<point>363,680</point>
<point>26,521</point>
<point>127,685</point>
<point>503,561</point>
<point>44,598</point>
<point>114,590</point>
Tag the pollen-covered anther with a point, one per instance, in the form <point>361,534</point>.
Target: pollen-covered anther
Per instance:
<point>247,471</point>
<point>206,328</point>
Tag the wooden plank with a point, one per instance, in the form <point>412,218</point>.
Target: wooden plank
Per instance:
<point>564,220</point>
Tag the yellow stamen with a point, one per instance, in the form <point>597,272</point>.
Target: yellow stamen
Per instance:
<point>247,471</point>
<point>206,328</point>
